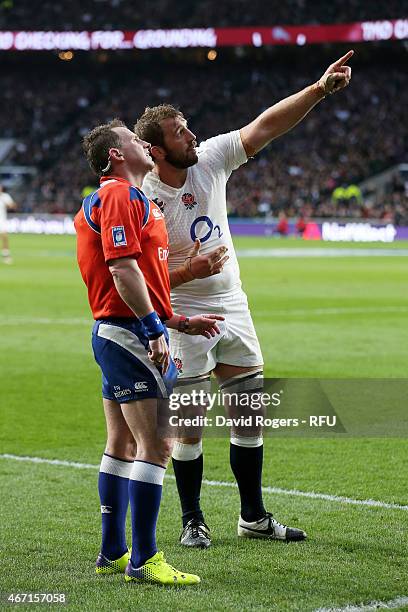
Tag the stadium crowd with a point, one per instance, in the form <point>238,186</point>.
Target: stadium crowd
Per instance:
<point>122,14</point>
<point>346,139</point>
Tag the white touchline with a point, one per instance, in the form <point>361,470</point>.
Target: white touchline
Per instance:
<point>372,503</point>
<point>373,605</point>
<point>17,320</point>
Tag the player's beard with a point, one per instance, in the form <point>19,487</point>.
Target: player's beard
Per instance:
<point>182,161</point>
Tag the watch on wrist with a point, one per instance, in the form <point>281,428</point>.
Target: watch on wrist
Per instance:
<point>183,324</point>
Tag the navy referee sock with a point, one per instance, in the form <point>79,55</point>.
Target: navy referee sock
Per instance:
<point>145,491</point>
<point>113,485</point>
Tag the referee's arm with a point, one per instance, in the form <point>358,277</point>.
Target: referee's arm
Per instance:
<point>131,286</point>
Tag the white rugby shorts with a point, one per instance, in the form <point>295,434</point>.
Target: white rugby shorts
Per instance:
<point>237,344</point>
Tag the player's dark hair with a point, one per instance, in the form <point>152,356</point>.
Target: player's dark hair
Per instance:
<point>97,143</point>
<point>148,126</point>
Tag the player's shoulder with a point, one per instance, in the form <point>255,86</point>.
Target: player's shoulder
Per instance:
<point>6,197</point>
<point>222,153</point>
<point>150,178</point>
<point>155,190</point>
<point>150,183</point>
<point>219,142</point>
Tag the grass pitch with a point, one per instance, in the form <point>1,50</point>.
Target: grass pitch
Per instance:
<point>316,317</point>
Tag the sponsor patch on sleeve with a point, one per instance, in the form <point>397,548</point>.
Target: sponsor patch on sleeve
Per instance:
<point>119,236</point>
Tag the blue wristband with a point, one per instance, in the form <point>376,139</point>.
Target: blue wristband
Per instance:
<point>154,327</point>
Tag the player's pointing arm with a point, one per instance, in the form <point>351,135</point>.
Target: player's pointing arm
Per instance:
<point>284,115</point>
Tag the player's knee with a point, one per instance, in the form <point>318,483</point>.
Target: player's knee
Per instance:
<point>237,439</point>
<point>121,451</point>
<point>131,448</point>
<point>241,393</point>
<point>121,446</point>
<point>163,451</point>
<point>188,441</point>
<point>191,395</point>
<point>197,386</point>
<point>187,451</point>
<point>241,398</point>
<point>247,382</point>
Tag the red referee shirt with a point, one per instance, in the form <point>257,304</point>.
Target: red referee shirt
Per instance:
<point>118,221</point>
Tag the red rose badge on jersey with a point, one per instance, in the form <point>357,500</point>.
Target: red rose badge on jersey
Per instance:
<point>179,364</point>
<point>188,201</point>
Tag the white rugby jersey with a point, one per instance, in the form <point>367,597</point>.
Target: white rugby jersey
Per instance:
<point>198,209</point>
<point>5,201</point>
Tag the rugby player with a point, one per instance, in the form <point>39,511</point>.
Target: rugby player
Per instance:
<point>122,249</point>
<point>189,184</point>
<point>6,203</point>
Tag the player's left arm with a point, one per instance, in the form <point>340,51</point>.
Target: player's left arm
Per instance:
<point>284,115</point>
<point>198,266</point>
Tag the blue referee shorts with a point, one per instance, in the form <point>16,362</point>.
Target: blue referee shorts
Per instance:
<point>120,348</point>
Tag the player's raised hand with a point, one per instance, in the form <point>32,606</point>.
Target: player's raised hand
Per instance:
<point>201,266</point>
<point>337,75</point>
<point>159,352</point>
<point>204,325</point>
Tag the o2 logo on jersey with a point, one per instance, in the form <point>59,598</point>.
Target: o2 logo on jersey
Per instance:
<point>201,225</point>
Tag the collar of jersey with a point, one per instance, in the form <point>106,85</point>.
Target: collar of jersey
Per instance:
<point>165,187</point>
<point>112,177</point>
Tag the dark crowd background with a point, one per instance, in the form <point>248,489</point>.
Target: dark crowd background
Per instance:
<point>132,15</point>
<point>49,104</point>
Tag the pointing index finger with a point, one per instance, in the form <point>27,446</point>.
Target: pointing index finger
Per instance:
<point>344,59</point>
